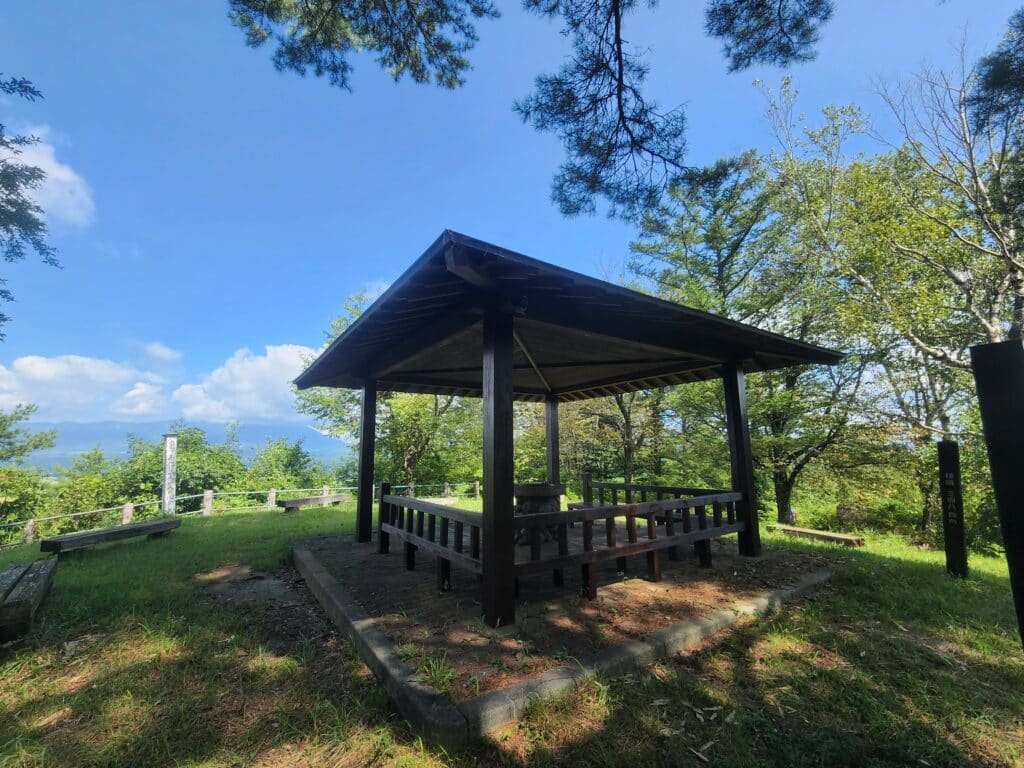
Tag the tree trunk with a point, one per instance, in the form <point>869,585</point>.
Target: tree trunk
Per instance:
<point>783,497</point>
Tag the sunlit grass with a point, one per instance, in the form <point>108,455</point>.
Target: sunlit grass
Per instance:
<point>892,663</point>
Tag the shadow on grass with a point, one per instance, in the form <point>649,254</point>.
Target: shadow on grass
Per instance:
<point>892,664</point>
<point>134,663</point>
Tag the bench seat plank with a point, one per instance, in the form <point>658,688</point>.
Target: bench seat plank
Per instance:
<point>69,542</point>
<point>847,539</point>
<point>9,577</point>
<point>311,501</point>
<point>19,607</point>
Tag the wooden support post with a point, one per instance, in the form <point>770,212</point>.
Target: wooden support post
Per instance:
<point>368,435</point>
<point>170,482</point>
<point>551,440</point>
<point>207,503</point>
<point>28,532</point>
<point>951,493</point>
<point>499,602</point>
<point>127,513</point>
<point>324,491</point>
<point>588,489</point>
<point>383,516</point>
<point>741,458</point>
<point>999,379</point>
<point>272,498</point>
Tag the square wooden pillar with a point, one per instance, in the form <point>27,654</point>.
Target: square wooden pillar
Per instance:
<point>741,458</point>
<point>367,439</point>
<point>551,440</point>
<point>499,597</point>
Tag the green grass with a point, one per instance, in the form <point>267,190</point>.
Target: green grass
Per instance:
<point>133,664</point>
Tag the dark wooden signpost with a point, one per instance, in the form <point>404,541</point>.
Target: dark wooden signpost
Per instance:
<point>999,379</point>
<point>951,493</point>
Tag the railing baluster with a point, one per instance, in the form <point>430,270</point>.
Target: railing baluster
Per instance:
<point>444,565</point>
<point>654,556</point>
<point>558,577</point>
<point>383,517</point>
<point>419,523</point>
<point>458,536</point>
<point>432,527</point>
<point>474,541</point>
<point>730,511</point>
<point>716,515</point>
<point>703,547</point>
<point>535,543</point>
<point>588,571</point>
<point>670,530</point>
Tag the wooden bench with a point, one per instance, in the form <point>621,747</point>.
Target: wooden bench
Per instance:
<point>309,501</point>
<point>22,589</point>
<point>846,539</point>
<point>71,542</point>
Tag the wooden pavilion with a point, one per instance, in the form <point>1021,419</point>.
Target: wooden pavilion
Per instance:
<point>471,319</point>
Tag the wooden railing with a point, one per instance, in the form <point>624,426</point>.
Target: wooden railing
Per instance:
<point>434,528</point>
<point>610,492</point>
<point>670,524</point>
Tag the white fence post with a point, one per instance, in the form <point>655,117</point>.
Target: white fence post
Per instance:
<point>271,498</point>
<point>127,512</point>
<point>476,489</point>
<point>207,503</point>
<point>447,491</point>
<point>170,472</point>
<point>28,533</point>
<point>324,491</point>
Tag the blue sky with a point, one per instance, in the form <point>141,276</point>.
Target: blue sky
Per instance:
<point>212,214</point>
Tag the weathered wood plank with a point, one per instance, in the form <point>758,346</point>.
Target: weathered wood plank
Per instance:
<point>19,607</point>
<point>308,501</point>
<point>69,542</point>
<point>625,550</point>
<point>846,539</point>
<point>9,577</point>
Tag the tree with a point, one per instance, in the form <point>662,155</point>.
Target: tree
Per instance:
<point>280,464</point>
<point>22,226</point>
<point>619,145</point>
<point>730,243</point>
<point>18,442</point>
<point>201,466</point>
<point>420,438</point>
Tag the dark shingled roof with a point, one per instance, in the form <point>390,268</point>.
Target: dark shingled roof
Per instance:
<point>576,337</point>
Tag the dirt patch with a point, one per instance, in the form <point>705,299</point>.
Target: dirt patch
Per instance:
<point>443,635</point>
<point>240,582</point>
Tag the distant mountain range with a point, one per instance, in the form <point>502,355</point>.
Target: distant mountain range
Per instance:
<point>74,438</point>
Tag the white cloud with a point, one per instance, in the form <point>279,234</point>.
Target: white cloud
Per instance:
<point>74,387</point>
<point>64,195</point>
<point>247,386</point>
<point>144,400</point>
<point>160,351</point>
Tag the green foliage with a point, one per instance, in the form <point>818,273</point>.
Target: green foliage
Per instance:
<point>22,496</point>
<point>22,225</point>
<point>426,41</point>
<point>201,466</point>
<point>17,442</point>
<point>280,464</point>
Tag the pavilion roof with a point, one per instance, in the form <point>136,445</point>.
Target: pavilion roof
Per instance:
<point>576,337</point>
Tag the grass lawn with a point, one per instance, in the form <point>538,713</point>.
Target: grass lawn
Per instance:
<point>136,663</point>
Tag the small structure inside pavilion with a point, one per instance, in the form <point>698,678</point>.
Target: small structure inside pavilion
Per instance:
<point>472,319</point>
